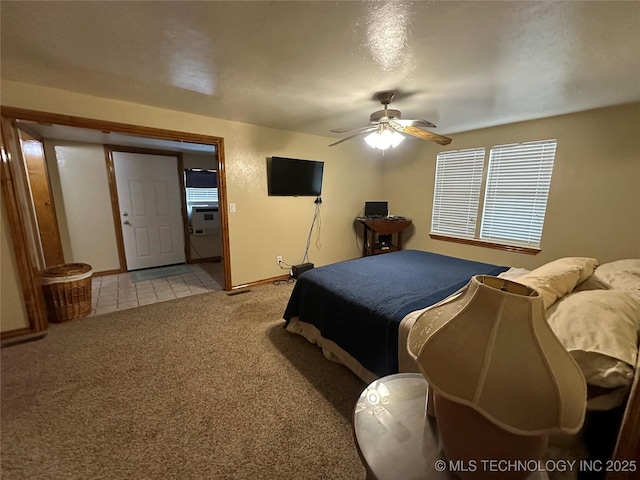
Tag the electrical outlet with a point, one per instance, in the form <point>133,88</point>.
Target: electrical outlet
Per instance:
<point>279,259</point>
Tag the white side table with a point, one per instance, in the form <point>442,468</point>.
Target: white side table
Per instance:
<point>394,436</point>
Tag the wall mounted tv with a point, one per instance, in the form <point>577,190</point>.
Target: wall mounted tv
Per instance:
<point>294,177</point>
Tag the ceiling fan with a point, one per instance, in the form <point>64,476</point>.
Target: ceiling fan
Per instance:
<point>386,127</point>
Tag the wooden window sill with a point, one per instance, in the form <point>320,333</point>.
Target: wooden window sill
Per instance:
<point>482,243</point>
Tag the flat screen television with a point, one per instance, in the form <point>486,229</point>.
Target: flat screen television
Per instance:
<point>294,177</point>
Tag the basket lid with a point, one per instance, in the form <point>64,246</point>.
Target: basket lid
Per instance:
<point>66,270</point>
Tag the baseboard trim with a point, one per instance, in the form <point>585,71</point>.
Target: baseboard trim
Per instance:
<point>206,259</point>
<point>108,272</point>
<point>16,337</point>
<point>260,282</point>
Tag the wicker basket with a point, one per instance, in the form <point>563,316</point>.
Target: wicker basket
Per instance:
<point>67,291</point>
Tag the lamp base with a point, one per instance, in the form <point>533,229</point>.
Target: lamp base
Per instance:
<point>469,438</point>
<point>430,406</point>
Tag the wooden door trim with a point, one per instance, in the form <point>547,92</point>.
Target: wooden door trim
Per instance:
<point>45,209</point>
<point>27,129</point>
<point>21,175</point>
<point>106,126</point>
<point>115,203</point>
<point>28,273</point>
<point>115,209</point>
<point>149,132</point>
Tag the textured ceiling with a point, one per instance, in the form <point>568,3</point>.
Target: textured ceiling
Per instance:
<point>312,66</point>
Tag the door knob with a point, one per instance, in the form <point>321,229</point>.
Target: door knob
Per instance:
<point>127,222</point>
<point>125,214</point>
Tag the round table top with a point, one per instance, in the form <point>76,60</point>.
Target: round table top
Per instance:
<point>396,439</point>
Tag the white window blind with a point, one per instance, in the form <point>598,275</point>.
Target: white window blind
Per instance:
<point>201,196</point>
<point>457,192</point>
<point>518,181</point>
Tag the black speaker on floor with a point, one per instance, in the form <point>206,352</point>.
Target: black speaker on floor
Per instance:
<point>298,270</point>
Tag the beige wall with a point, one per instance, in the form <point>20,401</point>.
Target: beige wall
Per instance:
<point>592,206</point>
<point>590,211</point>
<point>13,315</point>
<point>262,227</point>
<point>595,190</point>
<point>80,188</point>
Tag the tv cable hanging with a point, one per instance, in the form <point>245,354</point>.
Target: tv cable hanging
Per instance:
<point>298,270</point>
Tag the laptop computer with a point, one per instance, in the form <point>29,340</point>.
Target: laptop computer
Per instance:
<point>376,209</point>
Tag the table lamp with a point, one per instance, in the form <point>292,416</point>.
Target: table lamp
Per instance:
<point>501,380</point>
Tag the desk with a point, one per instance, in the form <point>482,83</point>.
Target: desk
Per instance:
<point>394,436</point>
<point>382,226</point>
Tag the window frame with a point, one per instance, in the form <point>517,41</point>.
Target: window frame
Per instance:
<point>462,200</point>
<point>478,240</point>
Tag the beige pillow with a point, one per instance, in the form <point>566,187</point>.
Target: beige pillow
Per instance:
<point>556,279</point>
<point>600,329</point>
<point>587,266</point>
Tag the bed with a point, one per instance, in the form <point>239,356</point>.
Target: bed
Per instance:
<point>361,311</point>
<point>353,309</point>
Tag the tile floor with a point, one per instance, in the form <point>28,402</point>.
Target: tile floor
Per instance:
<point>118,292</point>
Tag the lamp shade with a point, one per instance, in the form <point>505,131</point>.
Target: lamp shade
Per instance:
<point>490,348</point>
<point>384,138</point>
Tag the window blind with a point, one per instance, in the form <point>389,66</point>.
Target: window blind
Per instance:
<point>515,202</point>
<point>201,196</point>
<point>457,192</point>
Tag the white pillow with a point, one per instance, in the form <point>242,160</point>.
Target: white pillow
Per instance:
<point>513,273</point>
<point>621,275</point>
<point>600,329</point>
<point>608,272</point>
<point>592,283</point>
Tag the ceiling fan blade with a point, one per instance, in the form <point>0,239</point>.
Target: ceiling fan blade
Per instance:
<point>346,130</point>
<point>369,129</point>
<point>424,135</point>
<point>415,123</point>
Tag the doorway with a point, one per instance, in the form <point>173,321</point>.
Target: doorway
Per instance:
<point>156,137</point>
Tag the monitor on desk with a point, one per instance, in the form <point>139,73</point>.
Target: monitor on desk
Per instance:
<point>376,209</point>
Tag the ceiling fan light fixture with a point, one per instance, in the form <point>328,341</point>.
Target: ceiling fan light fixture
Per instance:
<point>386,128</point>
<point>384,138</point>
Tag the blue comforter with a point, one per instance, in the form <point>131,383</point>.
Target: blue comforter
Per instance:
<point>360,303</point>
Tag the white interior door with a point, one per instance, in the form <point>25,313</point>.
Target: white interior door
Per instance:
<point>150,209</point>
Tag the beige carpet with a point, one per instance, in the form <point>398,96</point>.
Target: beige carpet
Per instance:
<point>203,387</point>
